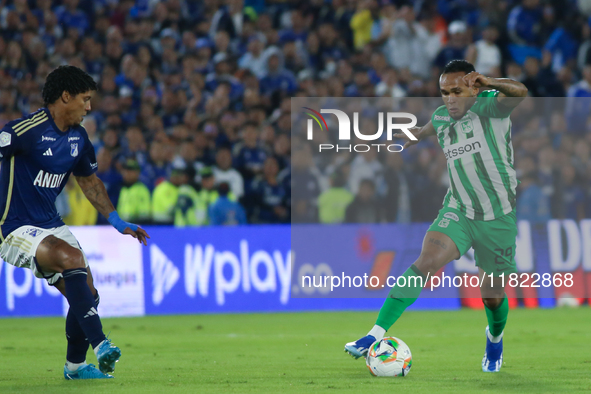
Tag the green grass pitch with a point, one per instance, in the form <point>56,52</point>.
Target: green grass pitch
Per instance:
<point>546,351</point>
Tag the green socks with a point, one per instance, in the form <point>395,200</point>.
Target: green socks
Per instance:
<point>401,297</point>
<point>497,318</point>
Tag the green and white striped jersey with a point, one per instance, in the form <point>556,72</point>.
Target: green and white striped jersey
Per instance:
<point>479,157</point>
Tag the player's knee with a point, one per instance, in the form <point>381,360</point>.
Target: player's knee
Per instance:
<point>427,264</point>
<point>72,259</point>
<point>492,303</point>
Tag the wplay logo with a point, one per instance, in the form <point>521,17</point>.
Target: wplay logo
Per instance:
<point>345,129</point>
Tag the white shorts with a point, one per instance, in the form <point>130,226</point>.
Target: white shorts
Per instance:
<point>20,246</point>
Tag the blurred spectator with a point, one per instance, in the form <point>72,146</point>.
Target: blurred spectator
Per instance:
<point>255,59</point>
<point>562,46</point>
<point>223,172</point>
<point>408,46</point>
<point>267,202</point>
<point>389,86</point>
<point>208,195</point>
<point>362,21</point>
<point>547,174</point>
<point>427,190</point>
<point>584,50</point>
<point>186,209</point>
<point>229,18</point>
<point>305,186</point>
<point>248,155</point>
<point>365,208</point>
<point>134,199</point>
<point>397,200</point>
<point>70,16</point>
<point>298,30</point>
<point>524,29</point>
<point>278,78</point>
<point>225,212</point>
<point>165,195</point>
<point>333,202</point>
<point>82,213</point>
<point>571,198</point>
<point>484,54</point>
<point>366,166</point>
<point>579,103</point>
<point>456,46</point>
<point>156,169</point>
<point>532,204</point>
<point>111,177</point>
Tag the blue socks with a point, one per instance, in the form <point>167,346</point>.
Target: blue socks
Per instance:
<point>77,342</point>
<point>83,306</point>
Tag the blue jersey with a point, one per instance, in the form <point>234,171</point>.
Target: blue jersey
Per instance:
<point>37,159</point>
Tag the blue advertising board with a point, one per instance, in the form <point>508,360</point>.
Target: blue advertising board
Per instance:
<point>255,268</point>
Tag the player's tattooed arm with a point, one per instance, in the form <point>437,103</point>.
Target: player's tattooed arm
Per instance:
<point>511,92</point>
<point>96,193</point>
<point>508,87</point>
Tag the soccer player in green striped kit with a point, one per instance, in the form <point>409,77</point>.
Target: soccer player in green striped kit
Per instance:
<point>474,131</point>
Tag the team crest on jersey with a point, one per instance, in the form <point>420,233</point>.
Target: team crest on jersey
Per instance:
<point>4,139</point>
<point>466,125</point>
<point>452,216</point>
<point>33,232</point>
<point>74,150</point>
<point>443,223</point>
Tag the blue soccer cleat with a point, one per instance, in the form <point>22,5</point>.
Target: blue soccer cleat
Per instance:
<point>87,371</point>
<point>493,355</point>
<point>107,355</point>
<point>360,347</point>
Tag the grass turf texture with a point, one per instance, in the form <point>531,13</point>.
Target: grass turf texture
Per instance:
<point>545,351</point>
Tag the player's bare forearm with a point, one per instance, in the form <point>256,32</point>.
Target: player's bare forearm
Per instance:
<point>426,131</point>
<point>95,191</point>
<point>419,133</point>
<point>511,92</point>
<point>508,87</point>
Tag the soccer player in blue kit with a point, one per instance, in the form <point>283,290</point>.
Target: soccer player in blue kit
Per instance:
<point>38,153</point>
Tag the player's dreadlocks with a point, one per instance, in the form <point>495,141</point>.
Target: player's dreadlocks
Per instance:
<point>69,79</point>
<point>456,66</point>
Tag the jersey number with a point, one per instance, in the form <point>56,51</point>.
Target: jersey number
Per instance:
<point>506,253</point>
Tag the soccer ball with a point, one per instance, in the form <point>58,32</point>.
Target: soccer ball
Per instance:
<point>389,357</point>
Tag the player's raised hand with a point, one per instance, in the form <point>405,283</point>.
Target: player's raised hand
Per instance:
<point>140,234</point>
<point>128,228</point>
<point>476,80</point>
<point>409,142</point>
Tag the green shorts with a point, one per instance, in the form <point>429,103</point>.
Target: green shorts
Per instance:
<point>493,240</point>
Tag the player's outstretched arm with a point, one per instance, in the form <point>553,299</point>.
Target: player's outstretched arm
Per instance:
<point>96,193</point>
<point>511,92</point>
<point>419,132</point>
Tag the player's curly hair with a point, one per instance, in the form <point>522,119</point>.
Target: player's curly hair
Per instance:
<point>66,79</point>
<point>457,66</point>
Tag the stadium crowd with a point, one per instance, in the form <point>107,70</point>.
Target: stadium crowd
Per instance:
<point>192,122</point>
